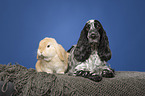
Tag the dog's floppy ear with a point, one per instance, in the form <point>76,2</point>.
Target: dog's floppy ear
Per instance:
<point>83,48</point>
<point>103,48</point>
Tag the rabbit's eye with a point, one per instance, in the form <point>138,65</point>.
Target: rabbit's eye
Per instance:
<point>48,46</point>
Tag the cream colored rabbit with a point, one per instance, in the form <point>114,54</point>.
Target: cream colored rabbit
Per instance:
<point>52,57</point>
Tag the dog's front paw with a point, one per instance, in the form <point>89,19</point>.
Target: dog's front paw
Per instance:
<point>108,73</point>
<point>82,73</point>
<point>89,75</point>
<point>95,78</point>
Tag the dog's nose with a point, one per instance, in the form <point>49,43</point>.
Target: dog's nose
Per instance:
<point>93,36</point>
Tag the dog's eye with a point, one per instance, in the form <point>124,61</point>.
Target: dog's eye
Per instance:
<point>48,46</point>
<point>88,27</point>
<point>97,25</point>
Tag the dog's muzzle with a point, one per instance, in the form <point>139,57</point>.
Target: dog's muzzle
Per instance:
<point>93,36</point>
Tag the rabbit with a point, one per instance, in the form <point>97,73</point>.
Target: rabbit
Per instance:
<point>52,57</point>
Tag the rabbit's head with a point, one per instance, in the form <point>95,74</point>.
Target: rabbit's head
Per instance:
<point>48,48</point>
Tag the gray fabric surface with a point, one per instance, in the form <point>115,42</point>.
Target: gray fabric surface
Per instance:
<point>28,82</point>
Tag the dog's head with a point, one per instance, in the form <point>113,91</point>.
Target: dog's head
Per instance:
<point>92,33</point>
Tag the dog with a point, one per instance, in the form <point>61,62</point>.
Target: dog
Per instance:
<point>89,57</point>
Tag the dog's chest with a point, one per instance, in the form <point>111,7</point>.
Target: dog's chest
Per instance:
<point>91,64</point>
<point>93,61</point>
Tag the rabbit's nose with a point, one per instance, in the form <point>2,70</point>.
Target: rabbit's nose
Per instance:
<point>41,53</point>
<point>41,57</point>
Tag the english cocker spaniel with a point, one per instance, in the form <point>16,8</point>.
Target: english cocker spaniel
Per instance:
<point>89,57</point>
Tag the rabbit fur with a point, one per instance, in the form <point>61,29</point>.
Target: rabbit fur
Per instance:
<point>52,57</point>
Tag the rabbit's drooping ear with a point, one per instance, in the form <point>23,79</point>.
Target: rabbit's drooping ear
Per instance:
<point>59,51</point>
<point>62,52</point>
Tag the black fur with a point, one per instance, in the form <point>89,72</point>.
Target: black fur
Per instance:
<point>83,48</point>
<point>89,75</point>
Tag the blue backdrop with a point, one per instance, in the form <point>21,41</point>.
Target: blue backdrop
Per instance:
<point>23,23</point>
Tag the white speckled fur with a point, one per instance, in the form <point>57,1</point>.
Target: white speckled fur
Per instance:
<point>93,63</point>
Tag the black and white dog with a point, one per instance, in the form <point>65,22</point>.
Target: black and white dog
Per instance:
<point>89,57</point>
